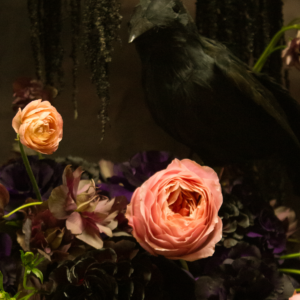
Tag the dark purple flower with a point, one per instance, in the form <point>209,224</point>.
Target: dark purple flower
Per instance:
<point>8,265</point>
<point>269,231</point>
<point>244,275</point>
<point>5,245</point>
<point>142,166</point>
<point>14,177</point>
<point>129,175</point>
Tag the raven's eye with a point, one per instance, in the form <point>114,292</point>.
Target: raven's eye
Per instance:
<point>176,8</point>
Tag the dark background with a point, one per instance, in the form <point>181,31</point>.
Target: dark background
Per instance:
<point>131,127</point>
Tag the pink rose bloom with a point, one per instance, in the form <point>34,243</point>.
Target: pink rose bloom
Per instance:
<point>291,54</point>
<point>175,212</point>
<point>295,296</point>
<point>39,126</point>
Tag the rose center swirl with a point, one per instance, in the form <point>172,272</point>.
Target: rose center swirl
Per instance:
<point>183,202</point>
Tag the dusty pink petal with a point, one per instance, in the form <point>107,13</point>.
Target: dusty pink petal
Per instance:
<point>104,229</point>
<point>71,179</point>
<point>91,237</point>
<point>76,175</point>
<point>104,206</point>
<point>86,186</point>
<point>75,223</point>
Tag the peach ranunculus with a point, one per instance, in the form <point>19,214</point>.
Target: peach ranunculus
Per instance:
<point>39,126</point>
<point>175,212</point>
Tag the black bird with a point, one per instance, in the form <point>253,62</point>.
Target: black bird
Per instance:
<point>204,96</point>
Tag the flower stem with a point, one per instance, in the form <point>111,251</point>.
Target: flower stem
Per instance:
<point>25,281</point>
<point>291,271</point>
<point>29,171</point>
<point>184,264</point>
<point>21,207</point>
<point>270,48</point>
<point>294,241</point>
<point>287,256</point>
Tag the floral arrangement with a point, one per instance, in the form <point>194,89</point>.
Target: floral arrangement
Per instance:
<point>154,227</point>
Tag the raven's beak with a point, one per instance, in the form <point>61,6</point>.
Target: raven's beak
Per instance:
<point>138,28</point>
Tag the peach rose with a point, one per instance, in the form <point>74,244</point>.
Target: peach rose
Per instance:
<point>295,296</point>
<point>175,212</point>
<point>39,126</point>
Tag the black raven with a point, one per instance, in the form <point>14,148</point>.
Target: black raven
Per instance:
<point>204,96</point>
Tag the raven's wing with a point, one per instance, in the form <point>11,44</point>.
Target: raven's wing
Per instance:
<point>249,84</point>
<point>290,106</point>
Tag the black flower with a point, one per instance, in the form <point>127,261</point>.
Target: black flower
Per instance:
<point>243,275</point>
<point>122,270</point>
<point>236,219</point>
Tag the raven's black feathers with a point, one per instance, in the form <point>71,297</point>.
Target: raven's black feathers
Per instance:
<point>204,96</point>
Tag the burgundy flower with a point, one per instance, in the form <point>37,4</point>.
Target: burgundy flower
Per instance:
<point>292,53</point>
<point>28,89</point>
<point>87,213</point>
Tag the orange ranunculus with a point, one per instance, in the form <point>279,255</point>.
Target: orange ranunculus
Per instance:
<point>39,126</point>
<point>175,212</point>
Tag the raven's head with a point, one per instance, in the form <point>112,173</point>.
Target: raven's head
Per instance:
<point>156,14</point>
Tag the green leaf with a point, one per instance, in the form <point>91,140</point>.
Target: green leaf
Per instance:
<point>17,295</point>
<point>28,296</point>
<point>28,258</point>
<point>1,281</point>
<point>38,274</point>
<point>5,296</point>
<point>39,261</point>
<point>22,255</point>
<point>14,223</point>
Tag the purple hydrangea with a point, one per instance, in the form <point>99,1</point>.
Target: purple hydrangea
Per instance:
<point>267,231</point>
<point>8,265</point>
<point>244,275</point>
<point>133,173</point>
<point>14,177</point>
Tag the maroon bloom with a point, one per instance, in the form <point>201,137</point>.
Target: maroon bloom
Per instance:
<point>29,89</point>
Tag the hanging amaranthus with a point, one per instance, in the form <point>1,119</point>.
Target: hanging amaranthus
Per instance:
<point>101,21</point>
